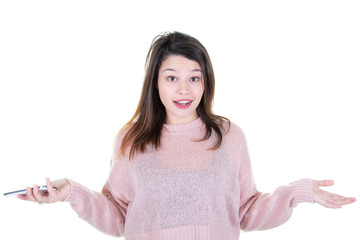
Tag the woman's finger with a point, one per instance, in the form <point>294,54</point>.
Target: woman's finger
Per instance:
<point>331,200</point>
<point>28,196</point>
<point>38,195</point>
<point>334,198</point>
<point>325,183</point>
<point>50,188</point>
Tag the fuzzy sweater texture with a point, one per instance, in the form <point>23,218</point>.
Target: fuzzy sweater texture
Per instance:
<point>183,190</point>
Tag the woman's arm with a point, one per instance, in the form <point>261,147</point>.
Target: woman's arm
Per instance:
<point>264,211</point>
<point>260,211</point>
<point>98,209</point>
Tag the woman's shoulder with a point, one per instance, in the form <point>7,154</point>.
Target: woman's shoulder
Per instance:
<point>233,130</point>
<point>231,127</point>
<point>118,142</point>
<point>120,136</point>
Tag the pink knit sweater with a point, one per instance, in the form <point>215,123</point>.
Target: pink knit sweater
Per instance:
<point>184,191</point>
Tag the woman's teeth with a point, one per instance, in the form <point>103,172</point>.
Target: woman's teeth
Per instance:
<point>183,102</point>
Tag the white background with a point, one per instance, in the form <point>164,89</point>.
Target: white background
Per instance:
<point>287,73</point>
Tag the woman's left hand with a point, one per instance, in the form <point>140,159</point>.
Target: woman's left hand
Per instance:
<point>327,199</point>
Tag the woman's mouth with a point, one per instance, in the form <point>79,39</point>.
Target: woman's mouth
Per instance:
<point>183,103</point>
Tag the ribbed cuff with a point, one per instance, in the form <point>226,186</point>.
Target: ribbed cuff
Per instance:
<point>77,192</point>
<point>303,191</point>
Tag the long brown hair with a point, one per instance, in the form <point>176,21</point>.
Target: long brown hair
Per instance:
<point>146,124</point>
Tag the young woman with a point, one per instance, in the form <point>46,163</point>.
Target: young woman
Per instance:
<point>178,170</point>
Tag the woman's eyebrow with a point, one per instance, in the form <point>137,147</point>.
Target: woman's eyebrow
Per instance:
<point>170,69</point>
<point>174,70</point>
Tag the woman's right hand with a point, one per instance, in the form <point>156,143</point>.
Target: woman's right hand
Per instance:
<point>63,189</point>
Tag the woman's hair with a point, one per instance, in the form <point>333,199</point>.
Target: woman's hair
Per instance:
<point>146,124</point>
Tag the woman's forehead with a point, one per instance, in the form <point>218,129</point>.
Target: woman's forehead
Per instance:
<point>179,62</point>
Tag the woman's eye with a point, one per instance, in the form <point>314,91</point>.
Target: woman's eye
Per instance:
<point>171,78</point>
<point>194,79</point>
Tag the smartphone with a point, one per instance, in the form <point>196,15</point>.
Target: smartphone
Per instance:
<point>23,191</point>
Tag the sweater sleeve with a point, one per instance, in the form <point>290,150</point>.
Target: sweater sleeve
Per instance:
<point>261,211</point>
<point>107,210</point>
<point>98,209</point>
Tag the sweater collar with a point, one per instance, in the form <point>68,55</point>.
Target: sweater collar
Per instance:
<point>184,127</point>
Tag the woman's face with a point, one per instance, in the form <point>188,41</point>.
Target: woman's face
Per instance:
<point>181,87</point>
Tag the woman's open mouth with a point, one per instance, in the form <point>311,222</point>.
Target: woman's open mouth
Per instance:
<point>183,103</point>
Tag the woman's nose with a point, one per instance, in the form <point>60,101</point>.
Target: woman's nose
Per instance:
<point>183,87</point>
